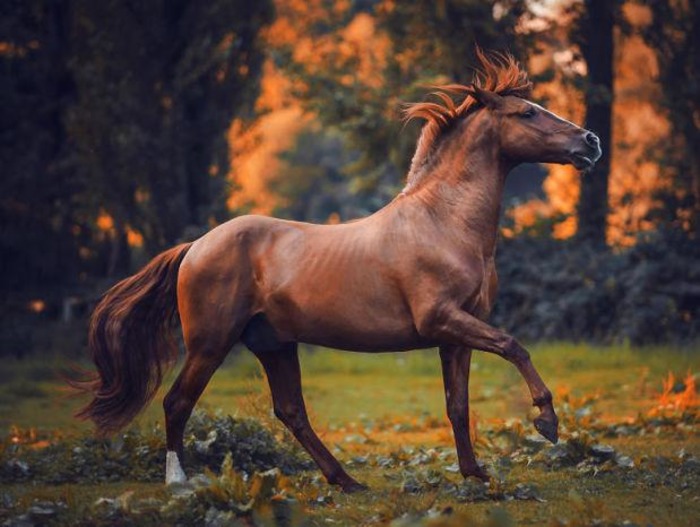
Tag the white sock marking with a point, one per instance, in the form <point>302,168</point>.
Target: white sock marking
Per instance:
<point>173,470</point>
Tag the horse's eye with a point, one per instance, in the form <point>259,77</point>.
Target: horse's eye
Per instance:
<point>527,114</point>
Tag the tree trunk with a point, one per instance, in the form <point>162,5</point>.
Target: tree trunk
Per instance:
<point>598,48</point>
<point>119,252</point>
<point>693,129</point>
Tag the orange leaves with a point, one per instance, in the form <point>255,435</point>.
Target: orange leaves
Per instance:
<point>36,306</point>
<point>640,129</point>
<point>27,437</point>
<point>256,157</point>
<point>678,396</point>
<point>133,237</point>
<point>105,222</point>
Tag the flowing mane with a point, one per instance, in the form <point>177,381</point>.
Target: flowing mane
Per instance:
<point>498,72</point>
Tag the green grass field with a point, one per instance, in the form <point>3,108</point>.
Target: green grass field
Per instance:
<point>384,416</point>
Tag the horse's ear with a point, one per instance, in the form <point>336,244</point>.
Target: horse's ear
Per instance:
<point>487,98</point>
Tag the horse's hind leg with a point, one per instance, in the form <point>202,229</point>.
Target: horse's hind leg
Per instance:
<point>284,376</point>
<point>213,302</point>
<point>179,403</point>
<point>455,373</point>
<point>208,340</point>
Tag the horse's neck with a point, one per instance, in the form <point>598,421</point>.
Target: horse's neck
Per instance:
<point>465,190</point>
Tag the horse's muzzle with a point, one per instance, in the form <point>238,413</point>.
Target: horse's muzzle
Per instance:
<point>587,151</point>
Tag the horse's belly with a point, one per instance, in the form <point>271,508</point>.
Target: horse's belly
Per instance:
<point>354,328</point>
<point>370,341</point>
<point>335,291</point>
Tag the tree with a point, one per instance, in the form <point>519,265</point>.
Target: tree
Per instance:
<point>311,187</point>
<point>117,111</point>
<point>355,84</point>
<point>595,36</point>
<point>158,85</point>
<point>674,35</point>
<point>36,192</point>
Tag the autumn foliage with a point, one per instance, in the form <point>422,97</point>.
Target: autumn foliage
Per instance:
<point>130,130</point>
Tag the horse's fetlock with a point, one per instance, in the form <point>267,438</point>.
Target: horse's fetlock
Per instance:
<point>338,476</point>
<point>543,400</point>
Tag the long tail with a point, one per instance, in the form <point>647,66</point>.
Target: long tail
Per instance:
<point>131,343</point>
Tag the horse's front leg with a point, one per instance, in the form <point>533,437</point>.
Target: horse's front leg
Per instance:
<point>455,374</point>
<point>450,325</point>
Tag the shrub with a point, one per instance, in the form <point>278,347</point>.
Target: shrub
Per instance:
<point>561,290</point>
<point>140,455</point>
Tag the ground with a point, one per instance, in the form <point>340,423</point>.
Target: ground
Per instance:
<point>628,453</point>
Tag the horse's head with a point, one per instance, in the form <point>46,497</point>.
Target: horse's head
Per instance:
<point>529,133</point>
<point>495,106</point>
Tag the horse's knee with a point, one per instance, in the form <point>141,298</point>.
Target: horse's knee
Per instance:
<point>514,352</point>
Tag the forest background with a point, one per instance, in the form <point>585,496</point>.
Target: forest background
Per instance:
<point>128,127</point>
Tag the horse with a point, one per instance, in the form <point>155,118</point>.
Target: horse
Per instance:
<point>419,273</point>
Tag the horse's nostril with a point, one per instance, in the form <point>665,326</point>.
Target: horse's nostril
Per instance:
<point>592,139</point>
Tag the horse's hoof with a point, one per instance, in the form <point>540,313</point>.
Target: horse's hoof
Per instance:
<point>170,481</point>
<point>352,486</point>
<point>173,471</point>
<point>176,481</point>
<point>476,473</point>
<point>548,428</point>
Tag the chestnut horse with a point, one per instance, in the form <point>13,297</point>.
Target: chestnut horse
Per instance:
<point>418,273</point>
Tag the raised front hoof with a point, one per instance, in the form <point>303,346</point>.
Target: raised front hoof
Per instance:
<point>476,472</point>
<point>548,427</point>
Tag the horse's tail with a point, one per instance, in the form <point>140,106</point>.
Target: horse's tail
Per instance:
<point>131,343</point>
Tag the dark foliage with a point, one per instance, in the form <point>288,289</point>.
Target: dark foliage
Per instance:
<point>120,109</point>
<point>139,455</point>
<point>552,290</point>
<point>252,446</point>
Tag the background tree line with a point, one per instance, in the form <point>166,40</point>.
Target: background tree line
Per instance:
<point>117,118</point>
<point>116,109</point>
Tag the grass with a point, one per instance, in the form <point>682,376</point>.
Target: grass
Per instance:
<point>373,408</point>
<point>342,387</point>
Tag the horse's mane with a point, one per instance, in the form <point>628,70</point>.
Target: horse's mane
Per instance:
<point>498,72</point>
